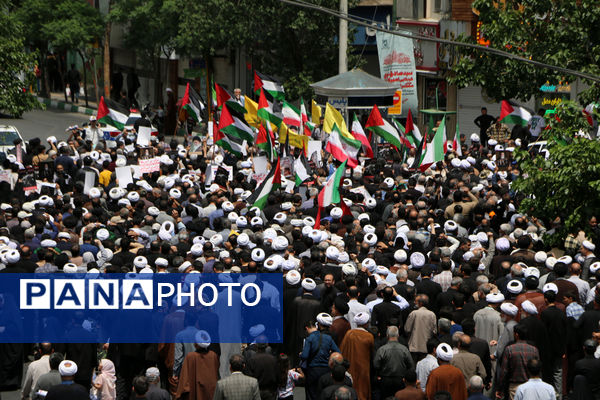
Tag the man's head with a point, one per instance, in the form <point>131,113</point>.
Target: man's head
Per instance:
<point>410,378</point>
<point>328,280</point>
<point>236,363</point>
<point>483,110</point>
<point>140,386</point>
<point>46,348</point>
<point>534,367</point>
<point>475,384</point>
<point>343,393</point>
<point>153,376</point>
<point>55,360</point>
<point>67,370</point>
<point>392,333</point>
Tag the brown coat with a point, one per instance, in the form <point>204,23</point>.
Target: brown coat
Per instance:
<point>199,376</point>
<point>449,379</point>
<point>357,347</point>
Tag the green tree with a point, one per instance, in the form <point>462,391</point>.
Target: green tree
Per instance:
<point>557,32</point>
<point>17,71</point>
<point>61,25</point>
<point>150,30</point>
<point>567,183</point>
<point>295,45</point>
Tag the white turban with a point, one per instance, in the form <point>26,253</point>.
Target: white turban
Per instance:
<point>308,284</point>
<point>280,243</point>
<point>400,256</point>
<point>288,265</point>
<point>227,206</point>
<point>67,368</point>
<point>550,261</point>
<point>309,221</point>
<point>594,267</point>
<point>589,245</point>
<point>102,234</point>
<point>153,211</point>
<point>529,307</point>
<point>256,221</point>
<point>531,271</point>
<point>381,270</point>
<point>369,264</point>
<point>94,194</point>
<point>140,262</point>
<point>202,339</point>
<point>216,240</point>
<point>444,352</point>
<point>362,318</point>
<point>293,277</point>
<point>336,213</point>
<point>550,287</point>
<point>69,268</point>
<point>241,222</point>
<point>509,309</point>
<point>348,270</point>
<point>370,239</point>
<point>175,193</point>
<point>369,229</point>
<point>286,206</point>
<point>13,256</point>
<point>417,260</point>
<point>258,254</point>
<point>280,218</point>
<point>161,262</point>
<point>515,286</point>
<point>273,262</point>
<point>494,298</point>
<point>450,226</point>
<point>324,319</point>
<point>167,230</point>
<point>332,253</point>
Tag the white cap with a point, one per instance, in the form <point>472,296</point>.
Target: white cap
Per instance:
<point>417,260</point>
<point>502,244</point>
<point>400,256</point>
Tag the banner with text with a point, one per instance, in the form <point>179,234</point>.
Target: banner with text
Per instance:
<point>140,308</point>
<point>397,65</point>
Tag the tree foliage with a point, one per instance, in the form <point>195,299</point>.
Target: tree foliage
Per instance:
<point>557,32</point>
<point>567,183</point>
<point>297,46</point>
<point>16,71</point>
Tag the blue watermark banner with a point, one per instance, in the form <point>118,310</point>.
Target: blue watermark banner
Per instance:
<point>140,308</point>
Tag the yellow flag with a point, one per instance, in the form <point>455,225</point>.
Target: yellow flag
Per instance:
<point>251,112</point>
<point>333,117</point>
<point>295,140</point>
<point>316,113</point>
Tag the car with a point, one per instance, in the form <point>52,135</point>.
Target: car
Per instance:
<point>8,135</point>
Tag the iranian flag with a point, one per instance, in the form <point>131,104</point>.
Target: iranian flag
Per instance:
<point>234,125</point>
<point>456,145</point>
<point>192,103</point>
<point>413,135</point>
<point>291,115</point>
<point>341,148</point>
<point>383,128</point>
<point>265,110</point>
<point>330,194</point>
<point>301,169</point>
<point>435,150</point>
<point>112,113</point>
<point>307,125</point>
<point>270,85</point>
<point>513,114</point>
<point>421,149</point>
<point>359,134</point>
<point>271,183</point>
<point>265,140</point>
<point>224,97</point>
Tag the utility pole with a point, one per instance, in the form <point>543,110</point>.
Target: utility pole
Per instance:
<point>343,38</point>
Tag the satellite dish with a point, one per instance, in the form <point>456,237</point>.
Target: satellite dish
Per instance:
<point>371,31</point>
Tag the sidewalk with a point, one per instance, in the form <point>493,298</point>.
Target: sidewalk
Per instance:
<point>57,100</point>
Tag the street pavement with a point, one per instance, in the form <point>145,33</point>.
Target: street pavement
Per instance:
<point>45,123</point>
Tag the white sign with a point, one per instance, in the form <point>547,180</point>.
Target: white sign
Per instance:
<point>89,181</point>
<point>124,176</point>
<point>143,136</point>
<point>150,166</point>
<point>397,65</point>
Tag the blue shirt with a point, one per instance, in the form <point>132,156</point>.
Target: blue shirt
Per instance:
<point>311,344</point>
<point>535,389</point>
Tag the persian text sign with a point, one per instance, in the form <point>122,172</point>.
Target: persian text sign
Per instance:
<point>397,65</point>
<point>150,166</point>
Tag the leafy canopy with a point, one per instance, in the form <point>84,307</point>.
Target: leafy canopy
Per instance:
<point>557,32</point>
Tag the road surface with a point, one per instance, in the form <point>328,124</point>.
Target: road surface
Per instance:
<point>42,124</point>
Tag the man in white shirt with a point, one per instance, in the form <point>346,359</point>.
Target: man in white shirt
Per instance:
<point>355,306</point>
<point>36,369</point>
<point>93,133</point>
<point>535,388</point>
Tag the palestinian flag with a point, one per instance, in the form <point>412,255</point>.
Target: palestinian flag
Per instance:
<point>234,125</point>
<point>315,111</point>
<point>341,149</point>
<point>435,149</point>
<point>412,133</point>
<point>251,115</point>
<point>291,115</point>
<point>513,114</point>
<point>359,134</point>
<point>421,149</point>
<point>456,145</point>
<point>265,110</point>
<point>112,113</point>
<point>269,85</point>
<point>192,103</point>
<point>265,140</point>
<point>383,128</point>
<point>271,183</point>
<point>307,125</point>
<point>330,194</point>
<point>301,169</point>
<point>224,97</point>
<point>231,144</point>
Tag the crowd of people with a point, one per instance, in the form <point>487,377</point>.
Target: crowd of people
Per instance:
<point>417,285</point>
